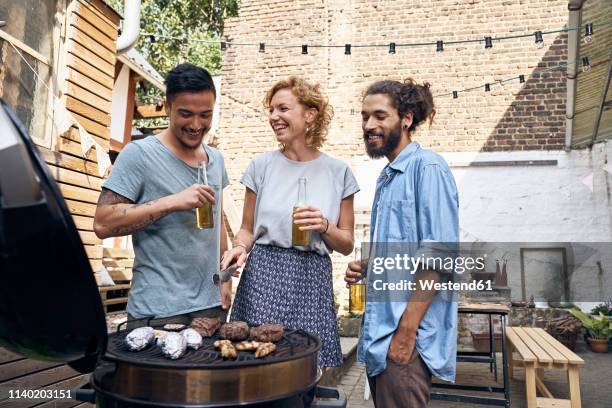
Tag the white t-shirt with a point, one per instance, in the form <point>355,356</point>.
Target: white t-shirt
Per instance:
<point>274,178</point>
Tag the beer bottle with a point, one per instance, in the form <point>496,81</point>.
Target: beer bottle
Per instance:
<point>357,291</point>
<point>204,214</point>
<point>300,238</point>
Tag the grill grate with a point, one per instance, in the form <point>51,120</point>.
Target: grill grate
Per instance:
<point>294,344</point>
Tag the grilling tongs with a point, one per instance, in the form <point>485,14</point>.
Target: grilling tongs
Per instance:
<point>225,274</point>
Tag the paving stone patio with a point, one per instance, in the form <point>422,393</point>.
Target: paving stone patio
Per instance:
<point>595,382</point>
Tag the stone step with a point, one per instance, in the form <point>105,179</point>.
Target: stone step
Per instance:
<point>332,376</point>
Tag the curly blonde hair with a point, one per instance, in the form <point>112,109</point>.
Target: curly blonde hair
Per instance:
<point>310,96</point>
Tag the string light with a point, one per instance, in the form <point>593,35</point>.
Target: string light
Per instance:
<point>262,47</point>
<point>455,94</point>
<point>588,33</point>
<point>223,46</point>
<point>487,87</point>
<point>439,43</point>
<point>521,77</point>
<point>151,39</point>
<point>347,49</point>
<point>538,39</point>
<point>586,66</point>
<point>392,48</point>
<point>304,49</point>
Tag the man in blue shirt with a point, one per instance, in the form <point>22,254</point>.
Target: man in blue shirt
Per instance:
<point>405,340</point>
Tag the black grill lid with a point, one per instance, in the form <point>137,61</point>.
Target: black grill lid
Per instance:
<point>50,308</point>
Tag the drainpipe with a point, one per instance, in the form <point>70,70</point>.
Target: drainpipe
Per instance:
<point>573,47</point>
<point>131,26</point>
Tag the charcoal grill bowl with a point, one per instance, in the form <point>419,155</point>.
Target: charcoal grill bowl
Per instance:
<point>205,381</point>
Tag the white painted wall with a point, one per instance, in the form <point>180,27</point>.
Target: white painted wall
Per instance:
<point>567,202</point>
<point>119,103</point>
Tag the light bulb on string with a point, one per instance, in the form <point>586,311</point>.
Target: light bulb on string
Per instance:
<point>347,49</point>
<point>488,42</point>
<point>392,48</point>
<point>538,39</point>
<point>304,49</point>
<point>522,79</point>
<point>586,66</point>
<point>455,94</point>
<point>487,87</point>
<point>262,47</point>
<point>439,46</point>
<point>588,33</point>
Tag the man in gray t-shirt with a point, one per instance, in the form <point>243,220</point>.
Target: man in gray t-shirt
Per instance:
<point>152,193</point>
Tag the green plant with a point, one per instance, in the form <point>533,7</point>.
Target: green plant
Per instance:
<point>600,327</point>
<point>603,308</point>
<point>195,27</point>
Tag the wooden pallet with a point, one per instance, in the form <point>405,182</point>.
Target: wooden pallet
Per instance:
<point>119,263</point>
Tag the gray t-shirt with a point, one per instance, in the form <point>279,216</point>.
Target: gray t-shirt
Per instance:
<point>174,261</point>
<point>274,178</point>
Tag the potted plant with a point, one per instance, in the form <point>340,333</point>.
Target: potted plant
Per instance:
<point>599,327</point>
<point>603,308</point>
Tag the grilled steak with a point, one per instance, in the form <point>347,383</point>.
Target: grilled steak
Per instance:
<point>267,332</point>
<point>234,331</point>
<point>206,326</point>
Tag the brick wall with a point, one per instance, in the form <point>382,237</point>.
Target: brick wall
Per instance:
<point>513,116</point>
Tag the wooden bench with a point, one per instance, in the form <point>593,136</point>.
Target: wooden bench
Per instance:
<point>118,262</point>
<point>539,350</point>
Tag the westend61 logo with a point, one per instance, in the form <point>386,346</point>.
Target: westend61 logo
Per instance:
<point>459,264</point>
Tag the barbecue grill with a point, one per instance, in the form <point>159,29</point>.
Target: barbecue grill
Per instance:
<point>203,377</point>
<point>58,282</point>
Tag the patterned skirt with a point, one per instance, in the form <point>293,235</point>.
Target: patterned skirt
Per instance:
<point>293,288</point>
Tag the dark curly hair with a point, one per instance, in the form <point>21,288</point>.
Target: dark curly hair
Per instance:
<point>407,96</point>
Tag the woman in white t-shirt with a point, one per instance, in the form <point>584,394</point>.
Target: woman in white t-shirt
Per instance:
<point>280,283</point>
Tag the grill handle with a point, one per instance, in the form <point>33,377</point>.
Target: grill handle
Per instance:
<point>337,398</point>
<point>85,393</point>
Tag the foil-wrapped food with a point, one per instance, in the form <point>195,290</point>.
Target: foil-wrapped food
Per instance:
<point>160,335</point>
<point>174,345</point>
<point>140,338</point>
<point>193,338</point>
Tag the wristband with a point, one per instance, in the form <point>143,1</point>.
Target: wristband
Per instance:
<point>239,244</point>
<point>326,227</point>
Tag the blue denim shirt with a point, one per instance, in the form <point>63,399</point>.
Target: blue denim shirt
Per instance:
<point>415,202</point>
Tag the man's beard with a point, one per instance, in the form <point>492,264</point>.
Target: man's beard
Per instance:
<point>390,142</point>
<point>186,144</point>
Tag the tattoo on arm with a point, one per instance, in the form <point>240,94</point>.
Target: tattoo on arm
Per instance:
<point>110,198</point>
